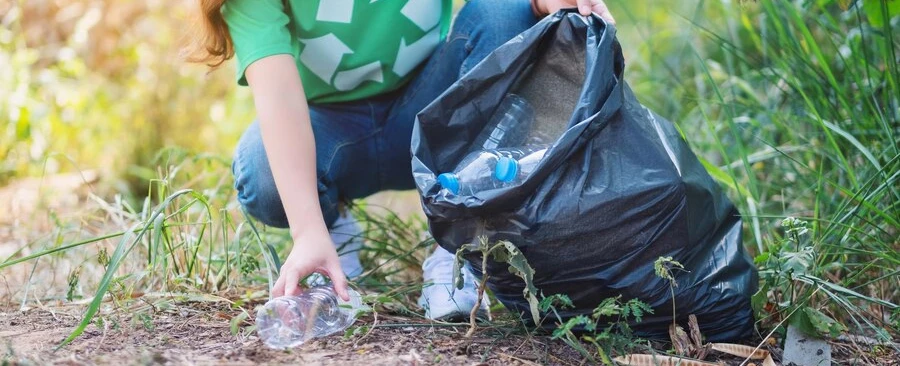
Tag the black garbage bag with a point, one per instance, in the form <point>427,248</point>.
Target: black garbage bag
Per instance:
<point>618,189</point>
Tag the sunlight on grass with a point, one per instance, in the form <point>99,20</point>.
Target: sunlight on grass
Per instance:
<point>794,107</point>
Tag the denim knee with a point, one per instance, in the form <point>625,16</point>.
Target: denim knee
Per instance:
<point>481,22</point>
<point>253,180</point>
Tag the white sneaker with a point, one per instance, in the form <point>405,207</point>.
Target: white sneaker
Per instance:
<point>440,299</point>
<point>346,234</point>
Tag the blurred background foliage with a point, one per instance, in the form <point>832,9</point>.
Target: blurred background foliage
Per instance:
<point>794,106</point>
<point>100,85</point>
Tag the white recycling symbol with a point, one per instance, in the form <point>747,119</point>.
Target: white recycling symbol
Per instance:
<point>323,55</point>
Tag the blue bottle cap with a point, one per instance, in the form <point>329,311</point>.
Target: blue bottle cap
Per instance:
<point>450,182</point>
<point>506,169</point>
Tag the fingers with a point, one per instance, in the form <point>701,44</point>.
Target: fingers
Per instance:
<point>291,278</point>
<point>339,279</point>
<point>602,10</point>
<point>278,289</point>
<point>584,7</point>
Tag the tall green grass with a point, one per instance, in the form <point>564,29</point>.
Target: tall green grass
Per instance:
<point>188,236</point>
<point>795,107</point>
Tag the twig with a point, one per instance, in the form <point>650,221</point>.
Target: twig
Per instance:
<point>419,325</point>
<point>102,337</point>
<point>561,361</point>
<point>529,338</point>
<point>24,303</point>
<point>474,312</point>
<point>522,360</point>
<point>481,286</point>
<point>371,328</point>
<point>8,291</point>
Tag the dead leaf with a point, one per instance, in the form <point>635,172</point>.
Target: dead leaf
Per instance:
<point>654,360</point>
<point>741,350</point>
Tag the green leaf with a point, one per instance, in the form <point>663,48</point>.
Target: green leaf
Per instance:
<point>824,324</point>
<point>832,287</point>
<point>458,280</point>
<point>798,263</point>
<point>638,308</point>
<point>566,328</point>
<point>561,301</point>
<point>723,177</point>
<point>762,258</point>
<point>759,300</point>
<point>608,307</point>
<point>815,323</point>
<point>800,319</point>
<point>519,266</point>
<point>236,322</point>
<point>664,266</point>
<point>73,283</point>
<point>875,10</point>
<point>501,256</point>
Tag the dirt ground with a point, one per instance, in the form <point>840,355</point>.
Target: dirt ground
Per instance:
<point>200,333</point>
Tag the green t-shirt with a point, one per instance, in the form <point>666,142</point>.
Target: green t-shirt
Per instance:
<point>344,49</point>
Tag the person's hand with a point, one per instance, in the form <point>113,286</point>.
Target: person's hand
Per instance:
<point>312,252</point>
<point>585,7</point>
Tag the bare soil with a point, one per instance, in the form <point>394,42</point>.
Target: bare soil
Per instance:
<point>200,333</point>
<point>146,331</point>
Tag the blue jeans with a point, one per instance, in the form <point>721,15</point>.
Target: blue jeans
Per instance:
<point>363,146</point>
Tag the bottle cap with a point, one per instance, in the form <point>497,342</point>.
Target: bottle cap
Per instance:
<point>506,169</point>
<point>450,182</point>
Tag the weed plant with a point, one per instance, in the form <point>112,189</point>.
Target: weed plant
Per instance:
<point>793,106</point>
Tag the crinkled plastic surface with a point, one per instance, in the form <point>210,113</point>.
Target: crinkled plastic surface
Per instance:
<point>618,189</point>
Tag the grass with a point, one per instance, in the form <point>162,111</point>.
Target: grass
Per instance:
<point>836,110</point>
<point>794,107</point>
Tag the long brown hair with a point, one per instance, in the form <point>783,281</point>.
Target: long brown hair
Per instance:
<point>211,43</point>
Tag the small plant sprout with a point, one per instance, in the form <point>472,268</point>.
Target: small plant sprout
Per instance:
<point>664,267</point>
<point>616,336</point>
<point>504,252</point>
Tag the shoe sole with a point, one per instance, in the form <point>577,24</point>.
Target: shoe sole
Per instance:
<point>461,317</point>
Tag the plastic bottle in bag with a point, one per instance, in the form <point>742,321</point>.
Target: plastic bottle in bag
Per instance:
<point>512,171</point>
<point>510,125</point>
<point>476,172</point>
<point>289,321</point>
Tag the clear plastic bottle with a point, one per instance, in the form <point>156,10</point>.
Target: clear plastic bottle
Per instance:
<point>476,172</point>
<point>510,125</point>
<point>289,321</point>
<point>513,171</point>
